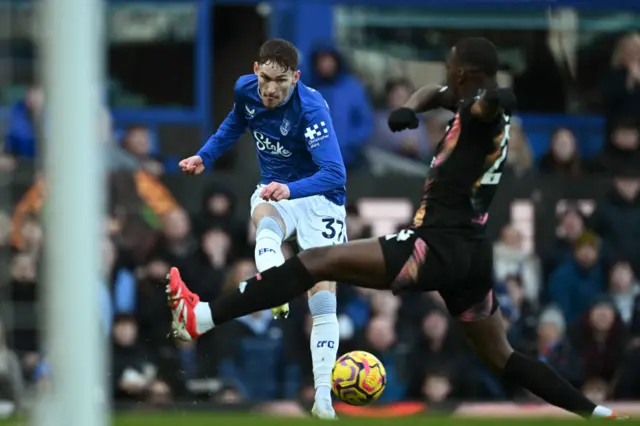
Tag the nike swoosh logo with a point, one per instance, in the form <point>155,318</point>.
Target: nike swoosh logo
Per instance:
<point>250,111</point>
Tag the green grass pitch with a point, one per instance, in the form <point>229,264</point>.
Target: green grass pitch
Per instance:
<point>209,419</point>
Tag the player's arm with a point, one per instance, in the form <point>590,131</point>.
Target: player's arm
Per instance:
<point>431,96</point>
<point>223,139</point>
<point>424,99</point>
<point>493,102</point>
<point>325,151</point>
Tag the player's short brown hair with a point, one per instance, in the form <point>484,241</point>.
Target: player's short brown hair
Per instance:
<point>280,52</point>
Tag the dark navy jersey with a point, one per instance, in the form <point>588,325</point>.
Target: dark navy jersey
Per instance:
<point>295,142</point>
<point>465,172</point>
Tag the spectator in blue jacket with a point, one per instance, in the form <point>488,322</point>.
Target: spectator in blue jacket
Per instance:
<point>22,134</point>
<point>347,99</point>
<point>578,281</point>
<point>256,359</point>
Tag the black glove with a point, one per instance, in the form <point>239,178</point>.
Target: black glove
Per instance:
<point>402,119</point>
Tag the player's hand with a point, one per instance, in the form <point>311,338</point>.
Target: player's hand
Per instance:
<point>192,165</point>
<point>402,119</point>
<point>275,192</point>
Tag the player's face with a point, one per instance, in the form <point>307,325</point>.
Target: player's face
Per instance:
<point>274,82</point>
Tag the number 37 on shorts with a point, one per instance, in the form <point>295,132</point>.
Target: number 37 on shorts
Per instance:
<point>334,230</point>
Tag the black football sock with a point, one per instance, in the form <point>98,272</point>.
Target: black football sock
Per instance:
<point>541,380</point>
<point>271,288</point>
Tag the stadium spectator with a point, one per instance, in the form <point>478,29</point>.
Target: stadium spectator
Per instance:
<point>357,227</point>
<point>622,151</point>
<point>601,339</point>
<point>553,347</point>
<point>12,385</point>
<point>137,142</point>
<point>520,159</point>
<point>218,209</point>
<point>24,293</point>
<point>353,315</point>
<point>437,347</point>
<point>409,143</point>
<point>22,134</point>
<point>382,341</point>
<point>597,390</point>
<point>5,230</point>
<point>151,302</point>
<point>132,375</point>
<point>626,387</point>
<point>120,283</point>
<point>623,288</point>
<point>578,281</point>
<point>570,227</point>
<point>437,388</point>
<point>349,103</point>
<point>32,236</point>
<point>255,356</point>
<point>178,246</point>
<point>510,258</point>
<point>621,85</point>
<point>562,158</point>
<point>117,158</point>
<point>520,313</point>
<point>616,218</point>
<point>217,251</point>
<point>384,303</point>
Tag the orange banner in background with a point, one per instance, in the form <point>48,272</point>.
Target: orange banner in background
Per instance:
<point>400,409</point>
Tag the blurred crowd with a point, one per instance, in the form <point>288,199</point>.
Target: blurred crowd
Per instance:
<point>576,306</point>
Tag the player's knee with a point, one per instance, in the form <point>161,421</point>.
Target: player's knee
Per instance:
<point>319,261</point>
<point>494,354</point>
<point>269,213</point>
<point>269,227</point>
<point>322,303</point>
<point>329,286</point>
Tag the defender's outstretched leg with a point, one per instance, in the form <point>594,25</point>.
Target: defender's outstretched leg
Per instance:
<point>488,338</point>
<point>359,262</point>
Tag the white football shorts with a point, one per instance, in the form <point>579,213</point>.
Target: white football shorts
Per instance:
<point>316,221</point>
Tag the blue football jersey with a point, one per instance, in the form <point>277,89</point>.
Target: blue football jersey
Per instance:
<point>295,142</point>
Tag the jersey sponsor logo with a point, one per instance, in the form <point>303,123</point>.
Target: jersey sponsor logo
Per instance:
<point>316,134</point>
<point>264,144</point>
<point>285,126</point>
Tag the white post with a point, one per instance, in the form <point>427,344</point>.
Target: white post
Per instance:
<point>73,50</point>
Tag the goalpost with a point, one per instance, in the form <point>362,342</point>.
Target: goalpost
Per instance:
<point>72,51</point>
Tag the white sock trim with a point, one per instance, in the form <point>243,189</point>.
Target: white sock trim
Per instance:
<point>204,319</point>
<point>601,411</point>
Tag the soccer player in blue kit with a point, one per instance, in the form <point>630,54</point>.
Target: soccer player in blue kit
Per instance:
<point>303,184</point>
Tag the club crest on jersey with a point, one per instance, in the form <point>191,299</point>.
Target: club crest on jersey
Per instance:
<point>285,127</point>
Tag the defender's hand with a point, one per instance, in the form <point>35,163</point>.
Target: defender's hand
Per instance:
<point>192,165</point>
<point>402,119</point>
<point>275,192</point>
